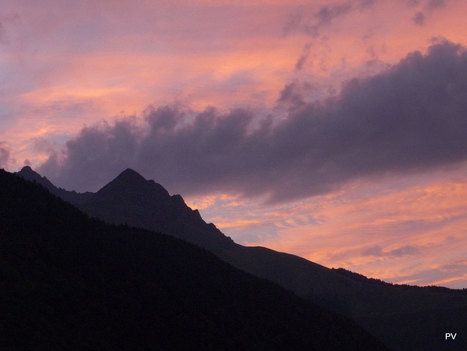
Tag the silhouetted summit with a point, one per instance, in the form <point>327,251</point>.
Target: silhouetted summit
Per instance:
<point>130,199</point>
<point>130,177</point>
<point>70,196</point>
<point>131,182</point>
<point>27,170</point>
<point>27,173</point>
<point>130,174</point>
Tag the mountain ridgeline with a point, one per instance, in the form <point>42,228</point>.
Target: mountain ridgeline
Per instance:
<point>403,317</point>
<point>69,282</point>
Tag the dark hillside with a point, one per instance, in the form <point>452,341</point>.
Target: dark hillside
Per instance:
<point>405,318</point>
<point>72,283</point>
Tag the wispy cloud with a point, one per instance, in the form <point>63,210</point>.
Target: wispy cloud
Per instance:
<point>419,18</point>
<point>303,58</point>
<point>310,20</point>
<point>394,230</point>
<point>400,251</point>
<point>452,273</point>
<point>4,154</point>
<point>435,4</point>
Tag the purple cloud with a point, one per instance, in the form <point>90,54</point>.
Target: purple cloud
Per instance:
<point>400,251</point>
<point>413,3</point>
<point>312,22</point>
<point>451,274</point>
<point>419,18</point>
<point>411,118</point>
<point>303,58</point>
<point>435,4</point>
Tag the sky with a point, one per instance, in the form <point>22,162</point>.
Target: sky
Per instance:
<point>333,130</point>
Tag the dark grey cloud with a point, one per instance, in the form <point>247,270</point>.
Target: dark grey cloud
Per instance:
<point>451,275</point>
<point>293,95</point>
<point>300,62</point>
<point>459,265</point>
<point>372,251</point>
<point>311,24</point>
<point>400,251</point>
<point>403,251</point>
<point>435,4</point>
<point>2,31</point>
<point>310,20</point>
<point>327,14</point>
<point>429,6</point>
<point>4,154</point>
<point>5,20</point>
<point>411,118</point>
<point>303,58</point>
<point>377,251</point>
<point>419,18</point>
<point>413,3</point>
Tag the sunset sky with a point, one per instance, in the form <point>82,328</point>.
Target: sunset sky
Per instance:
<point>333,130</point>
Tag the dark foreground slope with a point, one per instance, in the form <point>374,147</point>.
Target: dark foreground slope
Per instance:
<point>72,283</point>
<point>405,318</point>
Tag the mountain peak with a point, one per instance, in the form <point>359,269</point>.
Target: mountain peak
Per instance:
<point>128,178</point>
<point>130,174</point>
<point>29,174</point>
<point>130,181</point>
<point>70,196</point>
<point>27,170</point>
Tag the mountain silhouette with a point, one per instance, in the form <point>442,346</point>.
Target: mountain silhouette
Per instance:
<point>70,282</point>
<point>69,196</point>
<point>403,317</point>
<point>130,199</point>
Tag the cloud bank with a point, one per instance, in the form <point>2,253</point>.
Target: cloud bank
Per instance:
<point>410,118</point>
